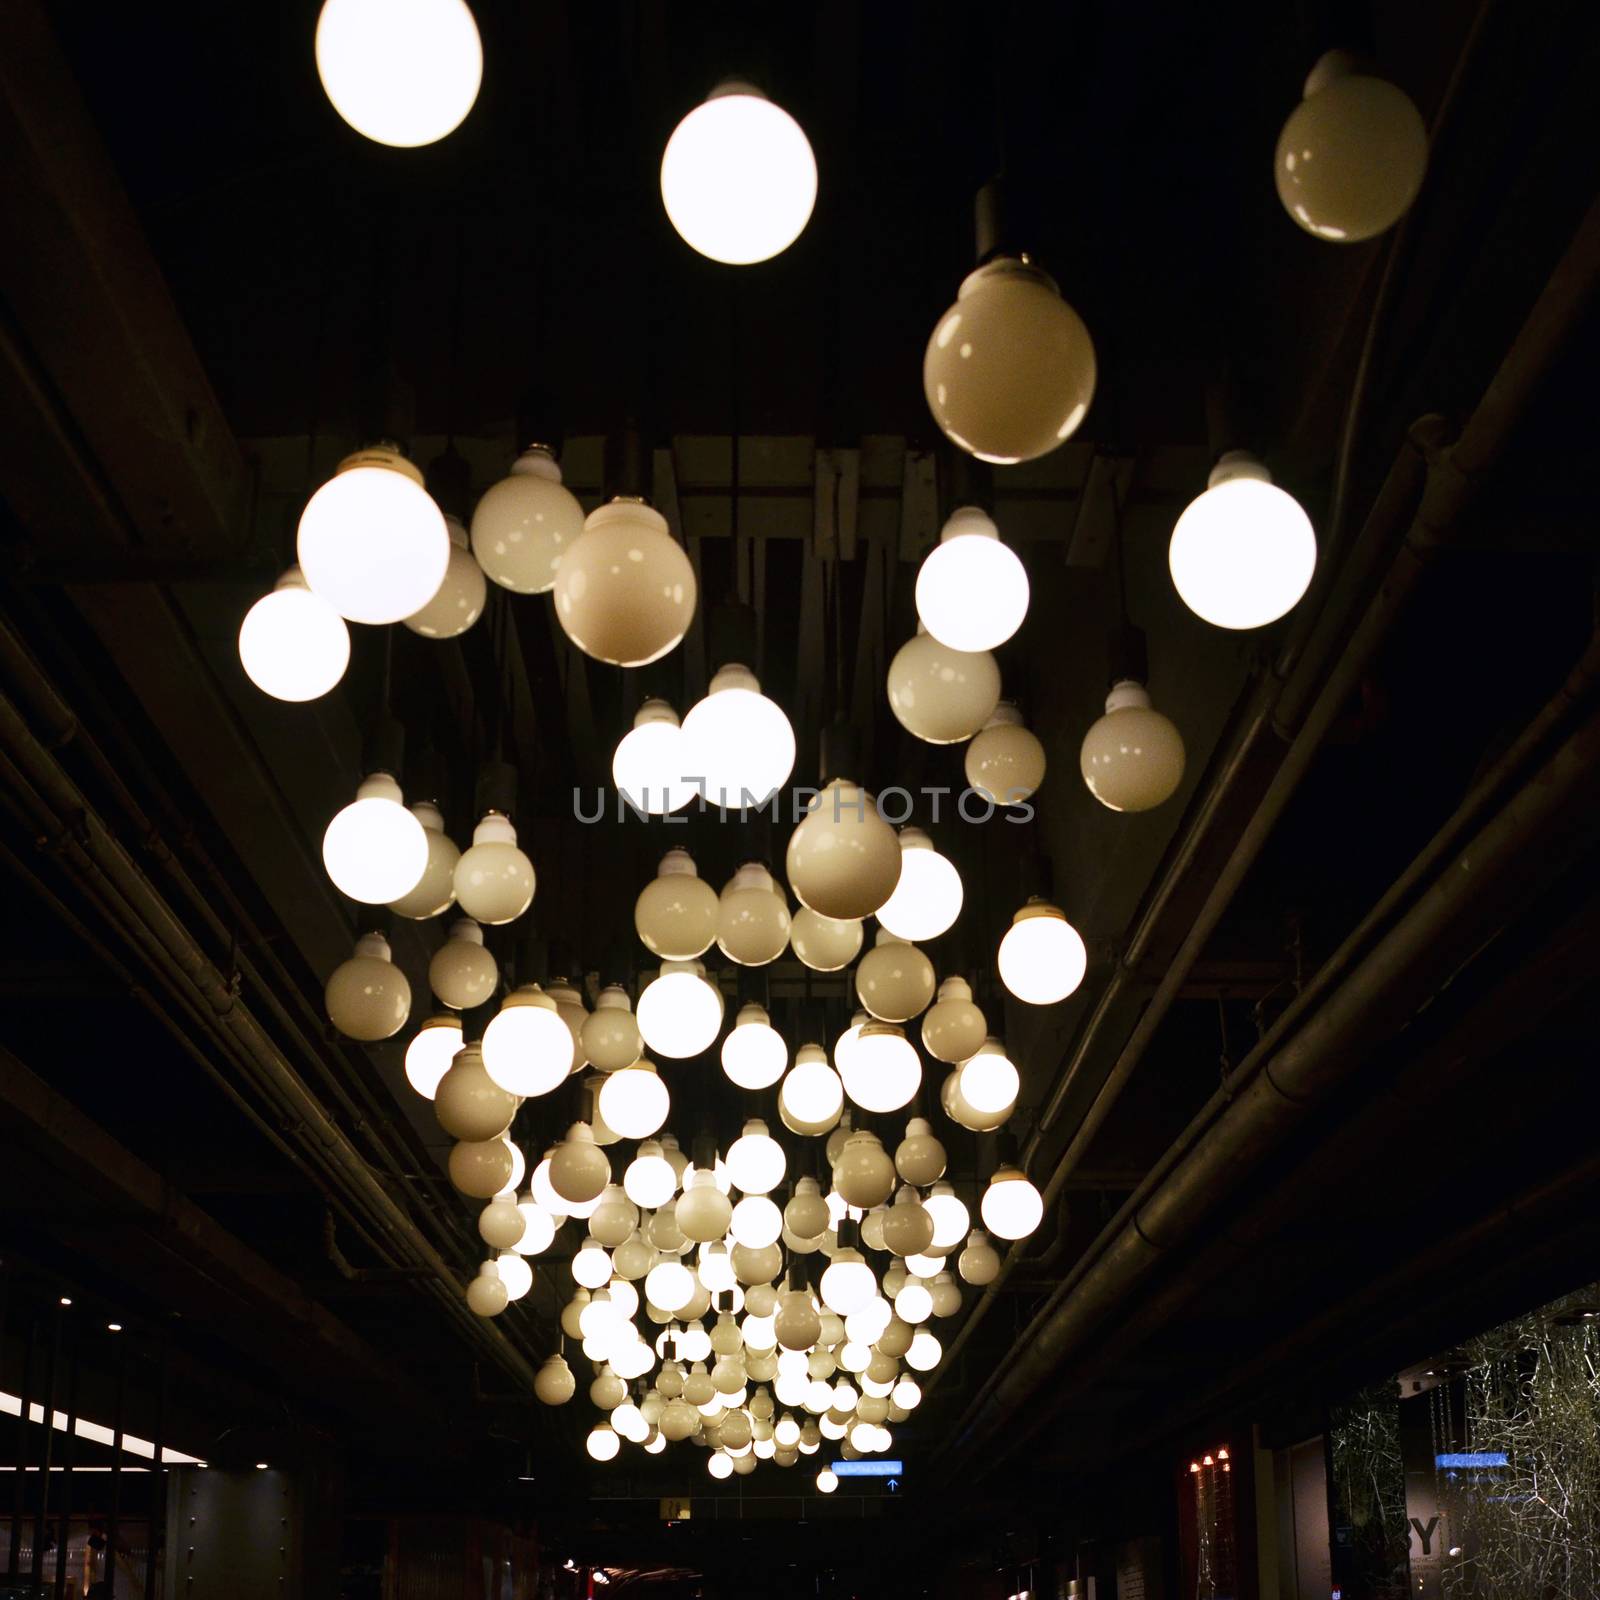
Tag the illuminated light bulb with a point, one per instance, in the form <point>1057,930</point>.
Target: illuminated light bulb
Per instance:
<point>737,743</point>
<point>953,1027</point>
<point>480,1168</point>
<point>524,522</point>
<point>894,980</point>
<point>1132,758</point>
<point>1243,552</point>
<point>375,851</point>
<point>957,1109</point>
<point>609,1036</point>
<point>694,1345</point>
<point>843,859</point>
<point>538,1228</point>
<point>650,1181</point>
<point>848,1284</point>
<point>515,1274</point>
<point>738,178</point>
<point>756,1222</point>
<point>635,1101</point>
<point>925,1351</point>
<point>831,1427</point>
<point>940,695</point>
<point>293,645</point>
<point>402,75</point>
<point>811,1096</point>
<point>486,1294</point>
<point>720,1465</point>
<point>603,1443</point>
<point>591,1267</point>
<point>972,589</point>
<point>1005,761</point>
<point>863,1174</point>
<point>806,1214</point>
<point>752,917</point>
<point>827,1481</point>
<point>435,891</point>
<point>371,542</point>
<point>527,1049</point>
<point>1012,1208</point>
<point>650,762</point>
<point>1009,371</point>
<point>579,1171</point>
<point>1042,957</point>
<point>1353,154</point>
<point>989,1080</point>
<point>927,898</point>
<point>553,1383</point>
<point>754,1055</point>
<point>519,1164</point>
<point>759,1333</point>
<point>569,1003</point>
<point>625,590</point>
<point>367,997</point>
<point>500,1223</point>
<point>979,1262</point>
<point>825,944</point>
<point>462,974</point>
<point>680,1013</point>
<point>676,912</point>
<point>494,879</point>
<point>628,1421</point>
<point>600,1318</point>
<point>950,1218</point>
<point>914,1304</point>
<point>882,1071</point>
<point>430,1053</point>
<point>846,1042</point>
<point>907,1226</point>
<point>460,598</point>
<point>920,1158</point>
<point>756,1162</point>
<point>703,1211</point>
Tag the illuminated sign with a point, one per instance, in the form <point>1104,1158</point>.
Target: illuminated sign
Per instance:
<point>869,1469</point>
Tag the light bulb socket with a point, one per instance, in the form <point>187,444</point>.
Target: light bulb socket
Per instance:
<point>1130,655</point>
<point>991,220</point>
<point>496,789</point>
<point>849,1234</point>
<point>703,1152</point>
<point>626,462</point>
<point>1004,1150</point>
<point>841,753</point>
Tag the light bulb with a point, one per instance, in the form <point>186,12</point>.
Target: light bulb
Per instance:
<point>515,1274</point>
<point>843,859</point>
<point>827,1481</point>
<point>591,1268</point>
<point>670,1285</point>
<point>972,590</point>
<point>538,1228</point>
<point>459,599</point>
<point>806,1214</point>
<point>486,1294</point>
<point>720,1465</point>
<point>676,912</point>
<point>811,1093</point>
<point>435,891</point>
<point>754,1054</point>
<point>524,522</point>
<point>1132,758</point>
<point>634,1257</point>
<point>756,1162</point>
<point>293,644</point>
<point>372,543</point>
<point>848,1284</point>
<point>403,74</point>
<point>920,1158</point>
<point>1005,761</point>
<point>953,1027</point>
<point>882,1072</point>
<point>527,1049</point>
<point>927,898</point>
<point>894,979</point>
<point>680,1013</point>
<point>615,1218</point>
<point>979,1262</point>
<point>554,1383</point>
<point>462,974</point>
<point>500,1223</point>
<point>1042,957</point>
<point>737,742</point>
<point>752,917</point>
<point>914,1304</point>
<point>649,1180</point>
<point>1243,552</point>
<point>635,1101</point>
<point>603,1443</point>
<point>610,1037</point>
<point>1012,1207</point>
<point>650,762</point>
<point>494,879</point>
<point>579,1171</point>
<point>367,996</point>
<point>480,1168</point>
<point>907,1227</point>
<point>375,851</point>
<point>1353,154</point>
<point>430,1053</point>
<point>468,1103</point>
<point>738,178</point>
<point>825,944</point>
<point>625,591</point>
<point>925,1351</point>
<point>863,1176</point>
<point>950,1218</point>
<point>703,1211</point>
<point>989,1081</point>
<point>756,1222</point>
<point>942,695</point>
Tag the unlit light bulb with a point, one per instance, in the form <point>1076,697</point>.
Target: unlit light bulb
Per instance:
<point>293,644</point>
<point>522,524</point>
<point>972,589</point>
<point>940,694</point>
<point>1005,760</point>
<point>1132,758</point>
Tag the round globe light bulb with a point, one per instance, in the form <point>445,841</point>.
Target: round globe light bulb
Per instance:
<point>756,1162</point>
<point>430,1053</point>
<point>609,1037</point>
<point>972,590</point>
<point>435,891</point>
<point>811,1093</point>
<point>486,1294</point>
<point>920,1158</point>
<point>500,1223</point>
<point>756,1222</point>
<point>927,898</point>
<point>825,944</point>
<point>848,1284</point>
<point>950,1218</point>
<point>1012,1207</point>
<point>1005,761</point>
<point>925,1351</point>
<point>953,1027</point>
<point>459,600</point>
<point>754,1054</point>
<point>894,979</point>
<point>515,1274</point>
<point>680,1013</point>
<point>827,1481</point>
<point>603,1443</point>
<point>989,1080</point>
<point>720,1465</point>
<point>941,695</point>
<point>375,850</point>
<point>1042,957</point>
<point>979,1262</point>
<point>752,917</point>
<point>367,996</point>
<point>676,912</point>
<point>651,762</point>
<point>494,879</point>
<point>554,1383</point>
<point>882,1072</point>
<point>843,859</point>
<point>293,645</point>
<point>527,1049</point>
<point>522,524</point>
<point>635,1101</point>
<point>1132,758</point>
<point>538,1228</point>
<point>670,1285</point>
<point>462,974</point>
<point>649,1180</point>
<point>737,742</point>
<point>579,1171</point>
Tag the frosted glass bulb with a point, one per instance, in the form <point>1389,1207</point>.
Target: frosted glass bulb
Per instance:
<point>1012,1207</point>
<point>468,1103</point>
<point>615,1218</point>
<point>515,1274</point>
<point>625,591</point>
<point>703,1211</point>
<point>907,1227</point>
<point>610,1037</point>
<point>435,891</point>
<point>946,1295</point>
<point>1352,156</point>
<point>738,178</point>
<point>591,1267</point>
<point>293,645</point>
<point>676,912</point>
<point>953,1027</point>
<point>1005,761</point>
<point>720,1465</point>
<point>979,1263</point>
<point>680,1013</point>
<point>527,1049</point>
<point>371,542</point>
<point>430,1053</point>
<point>848,1283</point>
<point>806,1214</point>
<point>486,1294</point>
<point>752,917</point>
<point>920,1158</point>
<point>882,1072</point>
<point>843,859</point>
<point>650,1181</point>
<point>494,879</point>
<point>1132,758</point>
<point>927,898</point>
<point>462,974</point>
<point>825,944</point>
<point>375,850</point>
<point>812,1092</point>
<point>635,1101</point>
<point>827,1481</point>
<point>756,1222</point>
<point>579,1171</point>
<point>401,74</point>
<point>737,742</point>
<point>1042,957</point>
<point>523,523</point>
<point>367,996</point>
<point>863,1176</point>
<point>603,1443</point>
<point>754,1054</point>
<point>1009,371</point>
<point>989,1080</point>
<point>670,1285</point>
<point>1243,552</point>
<point>925,1351</point>
<point>894,979</point>
<point>950,1218</point>
<point>914,1304</point>
<point>459,600</point>
<point>554,1383</point>
<point>756,1162</point>
<point>942,695</point>
<point>972,590</point>
<point>480,1168</point>
<point>650,762</point>
<point>538,1228</point>
<point>500,1223</point>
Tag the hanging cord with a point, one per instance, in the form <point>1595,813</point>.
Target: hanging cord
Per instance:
<point>457,299</point>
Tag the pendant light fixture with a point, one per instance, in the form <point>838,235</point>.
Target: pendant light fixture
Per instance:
<point>486,1294</point>
<point>972,589</point>
<point>1243,552</point>
<point>882,1071</point>
<point>435,891</point>
<point>953,1027</point>
<point>738,178</point>
<point>1005,760</point>
<point>553,1383</point>
<point>752,917</point>
<point>676,912</point>
<point>579,1171</point>
<point>463,974</point>
<point>941,695</point>
<point>468,1104</point>
<point>927,898</point>
<point>756,1162</point>
<point>1012,1207</point>
<point>1132,758</point>
<point>500,1223</point>
<point>480,1168</point>
<point>920,1158</point>
<point>894,980</point>
<point>1042,958</point>
<point>459,600</point>
<point>367,996</point>
<point>738,744</point>
<point>609,1037</point>
<point>523,524</point>
<point>843,859</point>
<point>1353,154</point>
<point>650,762</point>
<point>811,1096</point>
<point>494,879</point>
<point>401,72</point>
<point>825,944</point>
<point>754,1054</point>
<point>375,850</point>
<point>635,1101</point>
<point>989,1080</point>
<point>979,1262</point>
<point>680,1013</point>
<point>293,644</point>
<point>527,1048</point>
<point>430,1053</point>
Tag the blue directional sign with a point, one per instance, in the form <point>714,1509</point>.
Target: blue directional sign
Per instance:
<point>869,1469</point>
